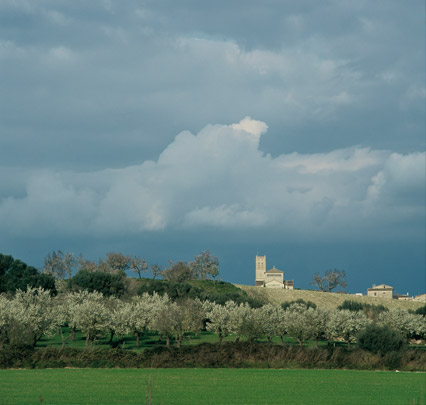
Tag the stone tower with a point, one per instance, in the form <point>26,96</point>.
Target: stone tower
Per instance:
<point>260,270</point>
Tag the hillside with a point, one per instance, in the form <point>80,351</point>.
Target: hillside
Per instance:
<point>322,299</point>
<point>211,290</point>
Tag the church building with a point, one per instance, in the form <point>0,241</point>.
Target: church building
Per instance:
<point>272,278</point>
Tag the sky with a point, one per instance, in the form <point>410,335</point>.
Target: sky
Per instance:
<point>291,129</point>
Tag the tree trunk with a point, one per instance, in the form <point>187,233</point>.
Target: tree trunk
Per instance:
<point>269,340</point>
<point>91,344</point>
<point>168,341</point>
<point>111,336</point>
<point>349,344</point>
<point>87,340</point>
<point>64,339</point>
<point>178,342</point>
<point>73,334</point>
<point>316,343</point>
<point>137,338</point>
<point>220,338</point>
<point>237,339</point>
<point>282,339</point>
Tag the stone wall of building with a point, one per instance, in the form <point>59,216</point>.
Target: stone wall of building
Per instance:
<point>380,291</point>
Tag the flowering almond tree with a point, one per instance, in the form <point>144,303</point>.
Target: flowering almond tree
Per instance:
<point>281,326</point>
<point>249,322</point>
<point>63,315</point>
<point>145,310</point>
<point>270,316</point>
<point>5,319</point>
<point>317,319</point>
<point>187,317</point>
<point>346,325</point>
<point>297,320</point>
<point>71,303</point>
<point>33,313</point>
<point>219,318</point>
<point>407,324</point>
<point>119,321</point>
<point>240,315</point>
<point>178,319</point>
<point>91,317</point>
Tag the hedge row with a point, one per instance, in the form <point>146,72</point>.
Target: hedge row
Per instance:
<point>227,355</point>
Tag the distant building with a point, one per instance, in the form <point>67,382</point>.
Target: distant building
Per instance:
<point>380,291</point>
<point>401,297</point>
<point>272,278</point>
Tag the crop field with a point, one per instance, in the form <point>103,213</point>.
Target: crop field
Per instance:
<point>210,386</point>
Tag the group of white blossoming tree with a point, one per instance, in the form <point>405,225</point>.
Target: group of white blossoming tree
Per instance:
<point>29,315</point>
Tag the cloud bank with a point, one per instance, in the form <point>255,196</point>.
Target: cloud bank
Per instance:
<point>219,178</point>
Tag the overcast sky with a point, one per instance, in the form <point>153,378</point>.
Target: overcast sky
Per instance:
<point>294,129</point>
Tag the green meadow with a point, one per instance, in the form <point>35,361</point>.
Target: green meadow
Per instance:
<point>210,386</point>
<point>151,339</point>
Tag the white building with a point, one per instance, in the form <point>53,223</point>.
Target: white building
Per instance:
<point>272,278</point>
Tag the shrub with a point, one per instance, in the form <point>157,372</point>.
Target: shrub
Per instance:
<point>392,360</point>
<point>106,283</point>
<point>380,339</point>
<point>205,290</point>
<point>421,310</point>
<point>351,306</point>
<point>173,290</point>
<point>229,354</point>
<point>307,304</point>
<point>372,311</point>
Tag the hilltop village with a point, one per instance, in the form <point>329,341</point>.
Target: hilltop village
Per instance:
<point>274,278</point>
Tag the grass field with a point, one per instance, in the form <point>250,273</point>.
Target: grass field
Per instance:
<point>323,299</point>
<point>208,386</point>
<point>150,339</point>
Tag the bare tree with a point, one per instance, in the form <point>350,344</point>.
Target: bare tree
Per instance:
<point>331,280</point>
<point>88,265</point>
<point>205,265</point>
<point>178,272</point>
<point>117,262</point>
<point>156,271</point>
<point>59,265</point>
<point>138,265</point>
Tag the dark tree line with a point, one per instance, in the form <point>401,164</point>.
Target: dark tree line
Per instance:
<point>15,274</point>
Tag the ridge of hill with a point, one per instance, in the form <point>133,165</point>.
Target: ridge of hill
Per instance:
<point>328,300</point>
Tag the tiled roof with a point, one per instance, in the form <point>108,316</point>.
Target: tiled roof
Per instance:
<point>274,270</point>
<point>381,287</point>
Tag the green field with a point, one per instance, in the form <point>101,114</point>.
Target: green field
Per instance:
<point>151,339</point>
<point>210,386</point>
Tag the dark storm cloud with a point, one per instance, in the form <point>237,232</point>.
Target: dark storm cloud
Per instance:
<point>105,83</point>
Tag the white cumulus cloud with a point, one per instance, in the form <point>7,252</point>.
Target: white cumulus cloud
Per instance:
<point>220,178</point>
